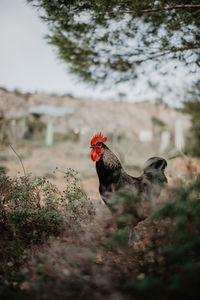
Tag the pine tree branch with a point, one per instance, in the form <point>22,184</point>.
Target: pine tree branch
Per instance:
<point>167,52</point>
<point>154,10</point>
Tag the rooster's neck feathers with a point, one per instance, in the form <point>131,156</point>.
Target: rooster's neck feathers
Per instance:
<point>108,168</point>
<point>109,160</point>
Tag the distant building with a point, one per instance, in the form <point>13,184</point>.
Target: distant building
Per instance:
<point>51,110</point>
<point>46,109</point>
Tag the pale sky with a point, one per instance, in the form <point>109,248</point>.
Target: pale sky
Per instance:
<point>28,63</point>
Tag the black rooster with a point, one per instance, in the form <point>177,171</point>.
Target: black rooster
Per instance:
<point>112,176</point>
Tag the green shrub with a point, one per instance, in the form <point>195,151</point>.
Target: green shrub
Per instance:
<point>32,209</point>
<point>119,239</point>
<point>126,207</point>
<point>175,272</point>
<point>78,212</point>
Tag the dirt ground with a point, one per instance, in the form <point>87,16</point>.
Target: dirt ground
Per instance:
<point>73,262</point>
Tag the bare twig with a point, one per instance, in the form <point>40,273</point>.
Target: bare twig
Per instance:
<point>19,158</point>
<point>178,153</point>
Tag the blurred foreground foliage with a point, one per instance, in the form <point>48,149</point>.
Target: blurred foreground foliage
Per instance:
<point>165,247</point>
<point>159,260</point>
<point>174,271</point>
<point>32,210</point>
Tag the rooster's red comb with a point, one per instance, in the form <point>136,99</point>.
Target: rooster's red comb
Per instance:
<point>98,138</point>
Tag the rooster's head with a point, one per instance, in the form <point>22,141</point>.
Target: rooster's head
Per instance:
<point>97,146</point>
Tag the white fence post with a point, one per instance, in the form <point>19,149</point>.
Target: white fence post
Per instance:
<point>179,135</point>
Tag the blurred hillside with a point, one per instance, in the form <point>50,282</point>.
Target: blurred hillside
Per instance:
<point>136,131</point>
<point>90,116</point>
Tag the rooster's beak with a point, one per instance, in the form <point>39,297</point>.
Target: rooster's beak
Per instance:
<point>92,147</point>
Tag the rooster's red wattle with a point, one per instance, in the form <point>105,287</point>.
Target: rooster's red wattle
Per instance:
<point>97,149</point>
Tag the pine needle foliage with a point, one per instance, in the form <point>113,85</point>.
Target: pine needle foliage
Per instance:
<point>104,39</point>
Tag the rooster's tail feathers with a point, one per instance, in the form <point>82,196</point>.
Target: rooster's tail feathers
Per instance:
<point>156,163</point>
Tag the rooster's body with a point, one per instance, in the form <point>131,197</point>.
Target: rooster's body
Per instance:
<point>112,176</point>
